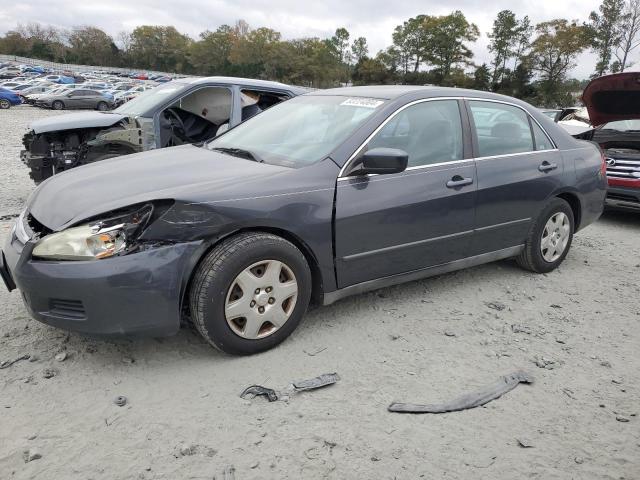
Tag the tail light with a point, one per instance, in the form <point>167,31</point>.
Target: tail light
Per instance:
<point>603,165</point>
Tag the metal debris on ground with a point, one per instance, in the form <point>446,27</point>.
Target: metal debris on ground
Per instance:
<point>496,306</point>
<point>524,442</point>
<point>120,400</point>
<point>31,455</point>
<point>491,392</point>
<point>8,363</point>
<point>291,389</point>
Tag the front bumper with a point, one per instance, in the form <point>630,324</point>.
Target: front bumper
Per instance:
<point>134,294</point>
<point>623,198</point>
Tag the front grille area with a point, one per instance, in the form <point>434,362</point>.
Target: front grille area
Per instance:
<point>623,167</point>
<point>70,309</point>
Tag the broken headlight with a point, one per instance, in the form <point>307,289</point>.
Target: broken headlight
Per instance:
<point>96,240</point>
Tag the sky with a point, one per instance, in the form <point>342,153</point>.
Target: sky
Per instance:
<point>373,19</point>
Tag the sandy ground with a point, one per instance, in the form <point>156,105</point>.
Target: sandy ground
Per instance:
<point>426,341</point>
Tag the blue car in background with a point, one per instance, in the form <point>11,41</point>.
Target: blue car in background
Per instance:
<point>8,98</point>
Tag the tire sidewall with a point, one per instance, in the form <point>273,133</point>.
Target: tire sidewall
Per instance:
<point>214,319</point>
<point>5,104</point>
<point>556,206</point>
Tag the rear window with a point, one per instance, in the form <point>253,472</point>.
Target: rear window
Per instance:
<point>501,129</point>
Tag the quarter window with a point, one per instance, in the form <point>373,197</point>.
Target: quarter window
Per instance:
<point>430,132</point>
<point>501,129</point>
<point>542,141</point>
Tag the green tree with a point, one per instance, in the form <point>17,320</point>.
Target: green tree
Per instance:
<point>210,55</point>
<point>605,32</point>
<point>359,49</point>
<point>482,78</point>
<point>371,71</point>
<point>554,52</point>
<point>503,39</point>
<point>340,41</point>
<point>446,47</point>
<point>159,48</point>
<point>92,46</point>
<point>630,35</point>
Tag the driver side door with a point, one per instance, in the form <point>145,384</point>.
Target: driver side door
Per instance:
<point>397,223</point>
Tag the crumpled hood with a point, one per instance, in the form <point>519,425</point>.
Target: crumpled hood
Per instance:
<point>613,97</point>
<point>185,173</point>
<point>70,121</point>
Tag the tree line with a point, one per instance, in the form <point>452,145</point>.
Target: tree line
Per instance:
<point>528,61</point>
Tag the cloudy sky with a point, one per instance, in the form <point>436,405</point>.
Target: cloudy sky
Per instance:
<point>373,19</point>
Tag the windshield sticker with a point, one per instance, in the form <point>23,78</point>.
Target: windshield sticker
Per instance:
<point>362,102</point>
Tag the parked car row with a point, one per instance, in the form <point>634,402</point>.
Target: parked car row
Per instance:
<point>97,90</point>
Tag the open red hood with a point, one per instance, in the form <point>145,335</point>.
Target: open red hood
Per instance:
<point>613,97</point>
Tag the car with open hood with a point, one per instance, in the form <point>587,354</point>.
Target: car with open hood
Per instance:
<point>612,120</point>
<point>181,111</point>
<point>326,195</point>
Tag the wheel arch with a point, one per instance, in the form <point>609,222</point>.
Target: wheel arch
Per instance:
<point>576,206</point>
<point>210,244</point>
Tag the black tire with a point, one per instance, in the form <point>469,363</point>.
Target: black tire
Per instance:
<point>219,269</point>
<point>102,106</point>
<point>5,104</point>
<point>57,105</point>
<point>531,257</point>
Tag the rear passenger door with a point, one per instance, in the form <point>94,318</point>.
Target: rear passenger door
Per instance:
<point>422,217</point>
<point>518,168</point>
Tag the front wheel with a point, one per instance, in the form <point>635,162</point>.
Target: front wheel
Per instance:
<point>5,104</point>
<point>549,239</point>
<point>102,106</point>
<point>57,105</point>
<point>250,292</point>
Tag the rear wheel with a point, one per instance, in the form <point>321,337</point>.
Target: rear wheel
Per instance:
<point>549,239</point>
<point>4,104</point>
<point>250,292</point>
<point>57,105</point>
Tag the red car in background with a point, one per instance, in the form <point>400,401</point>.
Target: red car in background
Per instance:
<point>613,103</point>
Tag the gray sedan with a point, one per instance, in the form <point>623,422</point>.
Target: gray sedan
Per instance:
<point>76,99</point>
<point>325,195</point>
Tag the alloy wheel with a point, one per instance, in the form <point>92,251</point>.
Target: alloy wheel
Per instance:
<point>261,299</point>
<point>555,237</point>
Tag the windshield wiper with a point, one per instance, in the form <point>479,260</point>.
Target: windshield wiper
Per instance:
<point>240,152</point>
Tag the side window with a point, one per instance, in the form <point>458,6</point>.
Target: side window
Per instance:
<point>255,101</point>
<point>430,132</point>
<point>501,129</point>
<point>542,141</point>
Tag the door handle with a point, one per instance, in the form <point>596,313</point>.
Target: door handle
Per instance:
<point>458,181</point>
<point>547,167</point>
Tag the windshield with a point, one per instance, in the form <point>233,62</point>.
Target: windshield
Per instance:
<point>151,98</point>
<point>299,131</point>
<point>623,126</point>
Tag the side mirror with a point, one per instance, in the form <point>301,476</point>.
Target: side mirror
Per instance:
<point>384,161</point>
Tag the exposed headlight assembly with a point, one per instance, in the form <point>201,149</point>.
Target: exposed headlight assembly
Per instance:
<point>96,240</point>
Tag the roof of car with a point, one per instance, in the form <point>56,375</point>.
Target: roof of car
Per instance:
<point>248,82</point>
<point>391,92</point>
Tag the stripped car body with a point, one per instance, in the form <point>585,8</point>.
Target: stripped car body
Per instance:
<point>175,113</point>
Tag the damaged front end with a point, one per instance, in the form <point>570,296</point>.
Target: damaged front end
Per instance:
<point>49,152</point>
